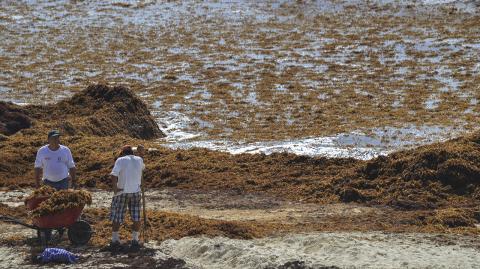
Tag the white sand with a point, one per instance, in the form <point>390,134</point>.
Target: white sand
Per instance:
<point>12,258</point>
<point>351,250</point>
<point>345,250</point>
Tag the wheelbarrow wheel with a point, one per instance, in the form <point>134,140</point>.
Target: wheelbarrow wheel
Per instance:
<point>79,233</point>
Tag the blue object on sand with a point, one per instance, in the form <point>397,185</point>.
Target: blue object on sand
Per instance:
<point>57,255</point>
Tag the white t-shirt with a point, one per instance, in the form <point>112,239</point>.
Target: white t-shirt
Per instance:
<point>55,163</point>
<point>128,169</point>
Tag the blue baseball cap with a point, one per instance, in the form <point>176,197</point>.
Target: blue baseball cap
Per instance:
<point>53,133</point>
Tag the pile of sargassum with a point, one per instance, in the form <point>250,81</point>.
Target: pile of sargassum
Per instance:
<point>58,201</point>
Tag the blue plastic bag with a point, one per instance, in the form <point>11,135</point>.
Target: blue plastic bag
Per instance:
<point>57,255</point>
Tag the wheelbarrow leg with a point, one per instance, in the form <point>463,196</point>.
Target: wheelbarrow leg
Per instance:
<point>44,236</point>
<point>60,232</point>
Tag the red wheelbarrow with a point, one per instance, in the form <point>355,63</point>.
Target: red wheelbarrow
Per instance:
<point>79,231</point>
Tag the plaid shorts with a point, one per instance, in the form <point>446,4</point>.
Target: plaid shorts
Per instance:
<point>120,203</point>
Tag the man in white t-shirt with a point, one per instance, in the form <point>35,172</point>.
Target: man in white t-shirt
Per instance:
<point>54,164</point>
<point>126,179</point>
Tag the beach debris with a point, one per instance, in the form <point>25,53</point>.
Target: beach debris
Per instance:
<point>13,118</point>
<point>62,200</point>
<point>44,191</point>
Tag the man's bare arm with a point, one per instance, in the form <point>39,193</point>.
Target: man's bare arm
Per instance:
<point>73,176</point>
<point>114,180</point>
<point>38,176</point>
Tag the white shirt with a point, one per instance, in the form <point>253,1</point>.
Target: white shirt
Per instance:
<point>128,169</point>
<point>54,163</point>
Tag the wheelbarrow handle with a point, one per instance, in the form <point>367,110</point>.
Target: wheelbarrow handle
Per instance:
<point>16,221</point>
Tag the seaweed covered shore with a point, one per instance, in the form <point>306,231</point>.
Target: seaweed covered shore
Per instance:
<point>327,77</point>
<point>98,120</point>
<point>433,189</point>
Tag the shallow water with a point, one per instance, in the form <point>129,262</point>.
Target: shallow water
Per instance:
<point>363,145</point>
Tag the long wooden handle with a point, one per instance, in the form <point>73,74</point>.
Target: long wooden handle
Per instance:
<point>145,238</point>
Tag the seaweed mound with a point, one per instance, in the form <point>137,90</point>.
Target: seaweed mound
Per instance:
<point>453,217</point>
<point>13,118</point>
<point>100,110</point>
<point>426,177</point>
<point>106,111</point>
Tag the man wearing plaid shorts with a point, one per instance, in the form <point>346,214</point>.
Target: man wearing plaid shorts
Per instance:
<point>126,178</point>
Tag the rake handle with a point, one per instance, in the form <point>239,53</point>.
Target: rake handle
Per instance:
<point>145,239</point>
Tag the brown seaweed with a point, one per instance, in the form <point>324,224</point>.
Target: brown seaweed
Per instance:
<point>62,200</point>
<point>44,191</point>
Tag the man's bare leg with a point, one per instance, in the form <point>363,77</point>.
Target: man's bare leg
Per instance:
<point>135,231</point>
<point>115,229</point>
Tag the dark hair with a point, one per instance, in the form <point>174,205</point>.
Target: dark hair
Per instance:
<point>127,150</point>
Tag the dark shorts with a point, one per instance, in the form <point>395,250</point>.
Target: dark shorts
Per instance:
<point>60,185</point>
<point>120,204</point>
